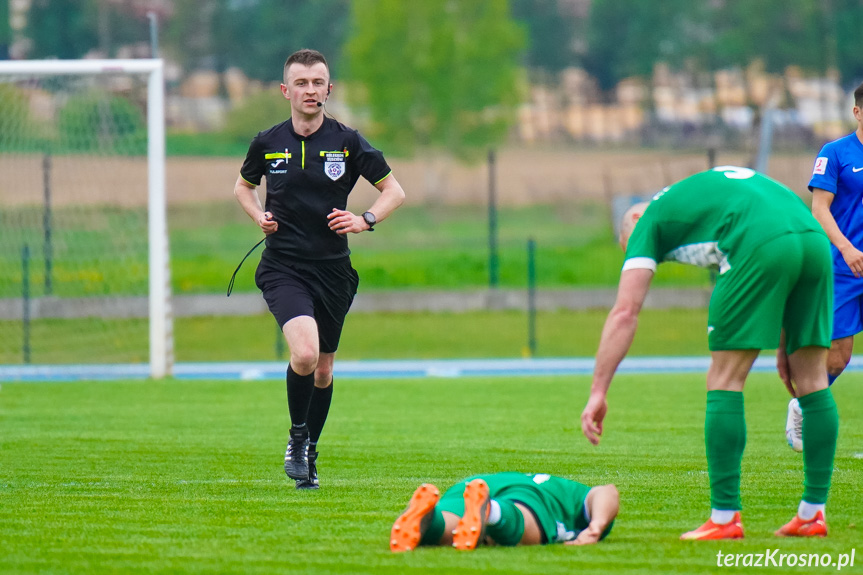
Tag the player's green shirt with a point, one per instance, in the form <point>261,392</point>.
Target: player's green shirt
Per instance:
<point>707,218</point>
<point>557,503</point>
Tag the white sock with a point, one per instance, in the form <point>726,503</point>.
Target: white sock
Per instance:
<point>722,516</point>
<point>795,406</point>
<point>493,512</point>
<point>806,511</point>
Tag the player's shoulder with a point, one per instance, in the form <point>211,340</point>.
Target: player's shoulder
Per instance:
<point>839,145</point>
<point>277,130</point>
<point>332,125</point>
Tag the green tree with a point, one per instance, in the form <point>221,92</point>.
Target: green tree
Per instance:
<point>843,23</point>
<point>256,36</point>
<point>551,34</point>
<point>68,29</point>
<point>438,73</point>
<point>5,30</point>
<point>780,33</point>
<point>627,38</point>
<point>61,29</point>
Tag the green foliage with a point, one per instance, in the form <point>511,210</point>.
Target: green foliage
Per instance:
<point>255,35</point>
<point>627,38</point>
<point>414,335</point>
<point>61,28</point>
<point>94,121</point>
<point>440,73</point>
<point>207,144</point>
<point>15,124</point>
<point>552,33</point>
<point>258,112</point>
<point>5,30</point>
<point>185,476</point>
<point>421,248</point>
<point>843,24</point>
<point>780,33</point>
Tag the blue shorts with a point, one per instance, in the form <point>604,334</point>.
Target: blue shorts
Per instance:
<point>847,305</point>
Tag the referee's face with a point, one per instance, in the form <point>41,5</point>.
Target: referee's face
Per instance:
<point>306,87</point>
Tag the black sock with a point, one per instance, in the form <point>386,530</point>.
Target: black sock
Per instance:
<point>300,389</point>
<point>318,410</point>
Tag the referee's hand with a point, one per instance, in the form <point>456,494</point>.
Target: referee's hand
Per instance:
<point>344,222</point>
<point>267,223</point>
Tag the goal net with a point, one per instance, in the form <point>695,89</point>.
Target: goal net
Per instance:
<point>83,238</point>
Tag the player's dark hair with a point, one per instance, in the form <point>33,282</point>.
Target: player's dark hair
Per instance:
<point>858,96</point>
<point>304,57</point>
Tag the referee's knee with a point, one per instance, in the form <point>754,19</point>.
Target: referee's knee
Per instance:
<point>304,361</point>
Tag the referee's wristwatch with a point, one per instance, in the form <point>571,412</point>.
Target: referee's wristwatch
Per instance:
<point>370,220</point>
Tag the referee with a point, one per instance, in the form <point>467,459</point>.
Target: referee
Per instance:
<point>311,163</point>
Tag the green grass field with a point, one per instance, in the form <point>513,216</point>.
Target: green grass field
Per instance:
<point>426,335</point>
<point>186,477</point>
<point>429,247</point>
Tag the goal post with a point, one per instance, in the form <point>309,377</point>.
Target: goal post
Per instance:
<point>20,77</point>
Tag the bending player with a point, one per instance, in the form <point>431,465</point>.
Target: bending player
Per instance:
<point>773,291</point>
<point>506,508</point>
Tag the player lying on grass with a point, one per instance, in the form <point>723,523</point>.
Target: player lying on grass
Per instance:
<point>773,291</point>
<point>506,508</point>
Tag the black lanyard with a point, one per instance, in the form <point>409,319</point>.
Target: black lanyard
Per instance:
<point>234,275</point>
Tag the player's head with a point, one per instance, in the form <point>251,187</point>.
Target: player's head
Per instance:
<point>306,78</point>
<point>858,105</point>
<point>307,58</point>
<point>627,223</point>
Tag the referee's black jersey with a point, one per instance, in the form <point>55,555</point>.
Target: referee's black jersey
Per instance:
<point>308,176</point>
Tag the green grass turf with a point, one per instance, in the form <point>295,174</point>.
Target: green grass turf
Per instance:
<point>423,248</point>
<point>392,336</point>
<point>186,477</point>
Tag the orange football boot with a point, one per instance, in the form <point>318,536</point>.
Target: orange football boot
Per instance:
<point>711,531</point>
<point>410,526</point>
<point>815,527</point>
<point>471,527</point>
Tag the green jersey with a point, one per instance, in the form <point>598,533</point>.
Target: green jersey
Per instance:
<point>713,217</point>
<point>557,503</point>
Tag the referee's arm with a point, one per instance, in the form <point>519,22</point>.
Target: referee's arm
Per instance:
<point>247,195</point>
<point>392,196</point>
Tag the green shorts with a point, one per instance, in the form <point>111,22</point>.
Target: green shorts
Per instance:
<point>786,282</point>
<point>557,503</point>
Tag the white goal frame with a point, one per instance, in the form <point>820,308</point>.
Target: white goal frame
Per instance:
<point>160,318</point>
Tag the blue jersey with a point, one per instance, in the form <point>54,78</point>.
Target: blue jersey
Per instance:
<point>839,170</point>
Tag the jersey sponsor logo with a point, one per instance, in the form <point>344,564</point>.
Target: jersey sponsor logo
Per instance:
<point>855,170</point>
<point>735,172</point>
<point>704,255</point>
<point>334,164</point>
<point>562,533</point>
<point>820,166</point>
<point>541,478</point>
<point>278,160</point>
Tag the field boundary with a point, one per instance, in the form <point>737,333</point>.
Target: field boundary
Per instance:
<point>377,369</point>
<point>241,304</point>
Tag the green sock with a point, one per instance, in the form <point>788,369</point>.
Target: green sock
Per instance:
<point>724,438</point>
<point>510,529</point>
<point>820,429</point>
<point>434,531</point>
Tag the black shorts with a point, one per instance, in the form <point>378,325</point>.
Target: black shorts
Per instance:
<point>323,291</point>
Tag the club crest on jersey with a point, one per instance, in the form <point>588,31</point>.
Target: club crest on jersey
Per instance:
<point>334,164</point>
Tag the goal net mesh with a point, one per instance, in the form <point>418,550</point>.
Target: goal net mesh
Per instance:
<point>73,219</point>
